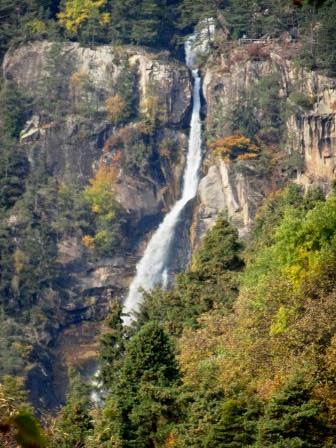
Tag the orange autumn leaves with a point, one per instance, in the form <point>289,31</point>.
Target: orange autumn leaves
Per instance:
<point>234,147</point>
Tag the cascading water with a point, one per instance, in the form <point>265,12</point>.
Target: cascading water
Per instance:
<point>152,268</point>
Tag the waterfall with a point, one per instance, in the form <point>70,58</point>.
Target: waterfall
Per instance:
<point>152,268</point>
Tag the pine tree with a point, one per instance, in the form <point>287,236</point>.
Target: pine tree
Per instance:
<point>15,108</point>
<point>292,418</point>
<point>112,347</point>
<point>237,423</point>
<point>326,36</point>
<point>14,168</point>
<point>75,423</point>
<point>143,400</point>
<point>239,17</point>
<point>147,25</point>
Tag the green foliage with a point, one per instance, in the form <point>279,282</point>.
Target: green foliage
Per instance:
<point>124,92</point>
<point>302,100</point>
<point>256,19</point>
<point>15,108</point>
<point>241,118</point>
<point>318,34</point>
<point>213,419</point>
<point>292,418</point>
<point>146,22</point>
<point>219,250</point>
<point>17,424</point>
<point>74,424</point>
<point>15,347</point>
<point>112,346</point>
<point>260,113</point>
<point>107,212</point>
<point>142,398</point>
<point>28,431</point>
<point>14,168</point>
<point>22,20</point>
<point>258,373</point>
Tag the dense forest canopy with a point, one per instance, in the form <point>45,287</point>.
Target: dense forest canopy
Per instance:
<point>163,23</point>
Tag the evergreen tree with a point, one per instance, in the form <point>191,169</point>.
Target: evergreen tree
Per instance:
<point>123,12</point>
<point>237,423</point>
<point>15,108</point>
<point>219,250</point>
<point>239,17</point>
<point>112,347</point>
<point>143,400</point>
<point>212,420</point>
<point>325,39</point>
<point>18,427</point>
<point>147,25</point>
<point>194,11</point>
<point>292,418</point>
<point>75,423</point>
<point>212,279</point>
<point>14,168</point>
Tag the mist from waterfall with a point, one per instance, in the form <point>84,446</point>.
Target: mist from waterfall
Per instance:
<point>152,268</point>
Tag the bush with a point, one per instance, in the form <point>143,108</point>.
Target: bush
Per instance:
<point>303,100</point>
<point>116,109</point>
<point>107,214</point>
<point>235,147</point>
<point>257,52</point>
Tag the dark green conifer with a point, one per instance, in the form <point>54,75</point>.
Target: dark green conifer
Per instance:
<point>292,418</point>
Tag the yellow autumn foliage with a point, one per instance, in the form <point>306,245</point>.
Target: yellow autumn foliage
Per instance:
<point>115,107</point>
<point>77,12</point>
<point>77,79</point>
<point>234,147</point>
<point>20,259</point>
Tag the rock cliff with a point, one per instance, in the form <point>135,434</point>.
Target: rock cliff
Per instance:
<point>74,134</point>
<point>307,151</point>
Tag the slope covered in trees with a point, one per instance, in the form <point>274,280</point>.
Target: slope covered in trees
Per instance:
<point>208,366</point>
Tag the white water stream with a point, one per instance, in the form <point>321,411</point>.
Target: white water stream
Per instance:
<point>152,268</point>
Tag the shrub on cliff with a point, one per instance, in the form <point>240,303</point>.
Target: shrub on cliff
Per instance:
<point>234,147</point>
<point>106,212</point>
<point>116,108</point>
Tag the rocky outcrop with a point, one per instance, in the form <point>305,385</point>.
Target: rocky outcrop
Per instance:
<point>239,187</point>
<point>30,64</point>
<point>235,189</point>
<point>74,143</point>
<point>313,131</point>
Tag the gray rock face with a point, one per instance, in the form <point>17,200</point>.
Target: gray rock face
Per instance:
<point>239,188</point>
<point>27,65</point>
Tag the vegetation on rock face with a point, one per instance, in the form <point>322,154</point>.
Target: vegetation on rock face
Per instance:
<point>106,211</point>
<point>234,147</point>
